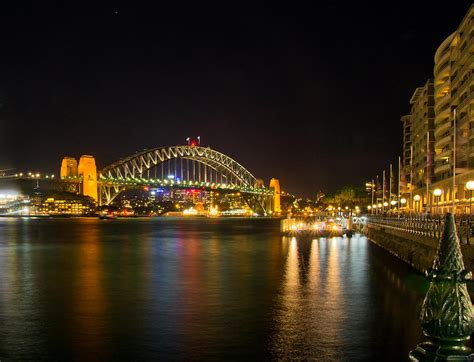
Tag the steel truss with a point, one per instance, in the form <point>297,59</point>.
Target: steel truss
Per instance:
<point>192,163</point>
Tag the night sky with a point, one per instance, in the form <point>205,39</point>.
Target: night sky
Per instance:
<point>310,94</point>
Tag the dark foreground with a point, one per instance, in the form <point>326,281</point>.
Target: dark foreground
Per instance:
<point>162,289</point>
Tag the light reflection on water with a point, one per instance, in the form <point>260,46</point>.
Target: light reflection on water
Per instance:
<point>199,289</point>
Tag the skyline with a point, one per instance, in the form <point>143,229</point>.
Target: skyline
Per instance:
<point>134,81</point>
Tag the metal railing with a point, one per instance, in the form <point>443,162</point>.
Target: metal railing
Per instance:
<point>424,226</point>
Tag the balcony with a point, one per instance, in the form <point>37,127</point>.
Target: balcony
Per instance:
<point>442,88</point>
<point>461,72</point>
<point>441,103</point>
<point>466,101</point>
<point>440,143</point>
<point>466,53</point>
<point>444,155</point>
<point>442,62</point>
<point>442,168</point>
<point>464,87</point>
<point>442,128</point>
<point>440,117</point>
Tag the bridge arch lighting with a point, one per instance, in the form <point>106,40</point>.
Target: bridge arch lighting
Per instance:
<point>181,166</point>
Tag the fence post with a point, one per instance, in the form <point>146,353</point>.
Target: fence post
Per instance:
<point>447,312</point>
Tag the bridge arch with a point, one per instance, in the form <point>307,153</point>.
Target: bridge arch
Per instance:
<point>187,166</point>
<point>227,169</point>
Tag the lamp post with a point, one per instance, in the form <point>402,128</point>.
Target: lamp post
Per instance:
<point>392,207</point>
<point>403,201</point>
<point>437,193</point>
<point>417,199</point>
<point>470,187</point>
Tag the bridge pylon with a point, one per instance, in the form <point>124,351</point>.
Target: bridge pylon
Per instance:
<point>275,186</point>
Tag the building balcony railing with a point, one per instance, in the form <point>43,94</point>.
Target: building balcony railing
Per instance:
<point>443,141</point>
<point>443,155</point>
<point>441,129</point>
<point>424,226</point>
<point>466,100</point>
<point>460,73</point>
<point>442,168</point>
<point>466,52</point>
<point>440,117</point>
<point>442,103</point>
<point>442,62</point>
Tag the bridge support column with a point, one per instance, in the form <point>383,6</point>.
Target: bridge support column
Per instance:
<point>275,186</point>
<point>88,170</point>
<point>68,167</point>
<point>447,312</point>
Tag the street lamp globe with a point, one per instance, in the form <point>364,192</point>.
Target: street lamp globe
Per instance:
<point>393,202</point>
<point>470,185</point>
<point>369,207</point>
<point>417,197</point>
<point>385,204</point>
<point>379,206</point>
<point>403,201</point>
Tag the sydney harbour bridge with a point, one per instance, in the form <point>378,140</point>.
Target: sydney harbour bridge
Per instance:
<point>176,167</point>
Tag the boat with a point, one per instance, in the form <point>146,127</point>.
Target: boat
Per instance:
<point>106,216</point>
<point>327,227</point>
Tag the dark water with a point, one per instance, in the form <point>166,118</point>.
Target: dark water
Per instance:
<point>186,289</point>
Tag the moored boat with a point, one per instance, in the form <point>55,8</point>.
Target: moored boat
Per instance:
<point>107,216</point>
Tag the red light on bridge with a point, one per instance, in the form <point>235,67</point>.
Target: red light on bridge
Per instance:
<point>146,188</point>
<point>193,142</point>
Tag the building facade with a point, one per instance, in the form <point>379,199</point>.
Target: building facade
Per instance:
<point>406,153</point>
<point>448,120</point>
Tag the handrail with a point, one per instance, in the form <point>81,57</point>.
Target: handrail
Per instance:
<point>424,226</point>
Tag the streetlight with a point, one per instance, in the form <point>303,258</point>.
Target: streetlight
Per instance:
<point>417,198</point>
<point>403,201</point>
<point>437,193</point>
<point>393,203</point>
<point>470,187</point>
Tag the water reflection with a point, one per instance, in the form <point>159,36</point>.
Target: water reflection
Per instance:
<point>89,299</point>
<point>310,305</point>
<point>338,301</point>
<point>199,289</point>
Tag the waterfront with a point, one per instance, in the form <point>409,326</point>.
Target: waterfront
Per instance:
<point>164,288</point>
